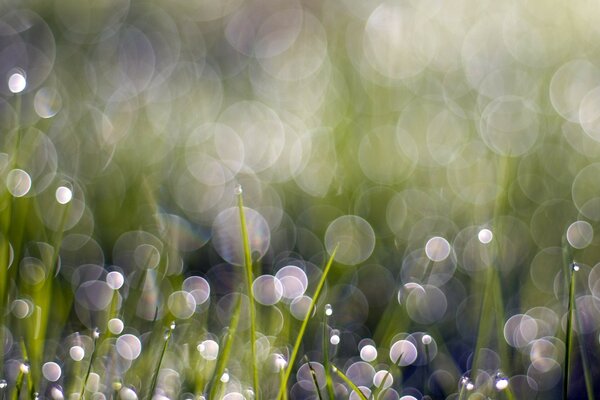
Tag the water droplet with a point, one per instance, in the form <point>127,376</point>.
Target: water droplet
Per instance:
<point>575,267</point>
<point>328,310</point>
<point>485,236</point>
<point>3,384</point>
<point>225,377</point>
<point>466,383</point>
<point>172,326</point>
<point>96,333</point>
<point>238,190</point>
<point>17,81</point>
<point>501,381</point>
<point>24,367</point>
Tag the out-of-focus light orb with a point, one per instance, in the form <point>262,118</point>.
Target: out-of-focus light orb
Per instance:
<point>18,182</point>
<point>17,82</point>
<point>383,378</point>
<point>51,371</point>
<point>20,308</point>
<point>501,383</point>
<point>328,310</point>
<point>63,195</point>
<point>77,353</point>
<point>403,353</point>
<point>225,377</point>
<point>485,236</point>
<point>127,394</point>
<point>267,290</point>
<point>115,280</point>
<point>129,346</point>
<point>181,304</point>
<point>115,326</point>
<point>354,238</point>
<point>334,339</point>
<point>426,339</point>
<point>580,234</point>
<point>47,102</point>
<point>208,349</point>
<point>437,249</point>
<point>368,353</point>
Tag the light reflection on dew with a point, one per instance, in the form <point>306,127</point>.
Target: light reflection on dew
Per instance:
<point>18,182</point>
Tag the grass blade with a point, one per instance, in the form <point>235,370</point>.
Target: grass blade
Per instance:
<point>227,347</point>
<point>249,280</point>
<point>569,335</point>
<point>350,383</point>
<point>313,375</point>
<point>168,334</point>
<point>313,302</point>
<point>326,362</point>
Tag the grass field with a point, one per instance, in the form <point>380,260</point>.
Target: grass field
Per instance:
<point>250,199</point>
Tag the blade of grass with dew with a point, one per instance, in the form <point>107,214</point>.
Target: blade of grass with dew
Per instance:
<point>326,362</point>
<point>396,370</point>
<point>569,333</point>
<point>350,383</point>
<point>167,338</point>
<point>298,342</point>
<point>95,335</point>
<point>313,375</point>
<point>227,347</point>
<point>249,279</point>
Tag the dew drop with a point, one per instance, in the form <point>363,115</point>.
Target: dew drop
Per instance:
<point>328,310</point>
<point>238,190</point>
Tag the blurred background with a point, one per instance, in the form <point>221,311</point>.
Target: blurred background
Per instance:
<point>451,149</point>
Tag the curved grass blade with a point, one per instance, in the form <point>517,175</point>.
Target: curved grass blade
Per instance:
<point>350,383</point>
<point>249,280</point>
<point>227,346</point>
<point>168,334</point>
<point>313,375</point>
<point>313,302</point>
<point>95,335</point>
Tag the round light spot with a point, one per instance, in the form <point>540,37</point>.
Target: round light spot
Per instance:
<point>300,306</point>
<point>115,280</point>
<point>403,353</point>
<point>115,326</point>
<point>334,339</point>
<point>129,346</point>
<point>18,182</point>
<point>197,287</point>
<point>368,353</point>
<point>383,378</point>
<point>181,304</point>
<point>208,349</point>
<point>77,353</point>
<point>47,102</point>
<point>17,82</point>
<point>51,371</point>
<point>437,249</point>
<point>485,236</point>
<point>63,194</point>
<point>580,234</point>
<point>354,238</point>
<point>21,308</point>
<point>267,289</point>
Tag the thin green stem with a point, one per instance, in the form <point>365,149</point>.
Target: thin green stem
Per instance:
<point>168,334</point>
<point>227,347</point>
<point>89,369</point>
<point>350,383</point>
<point>249,280</point>
<point>326,362</point>
<point>569,335</point>
<point>313,374</point>
<point>298,342</point>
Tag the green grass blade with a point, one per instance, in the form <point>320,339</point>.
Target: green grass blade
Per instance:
<point>350,383</point>
<point>313,302</point>
<point>227,347</point>
<point>313,375</point>
<point>569,335</point>
<point>326,362</point>
<point>160,359</point>
<point>249,280</point>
